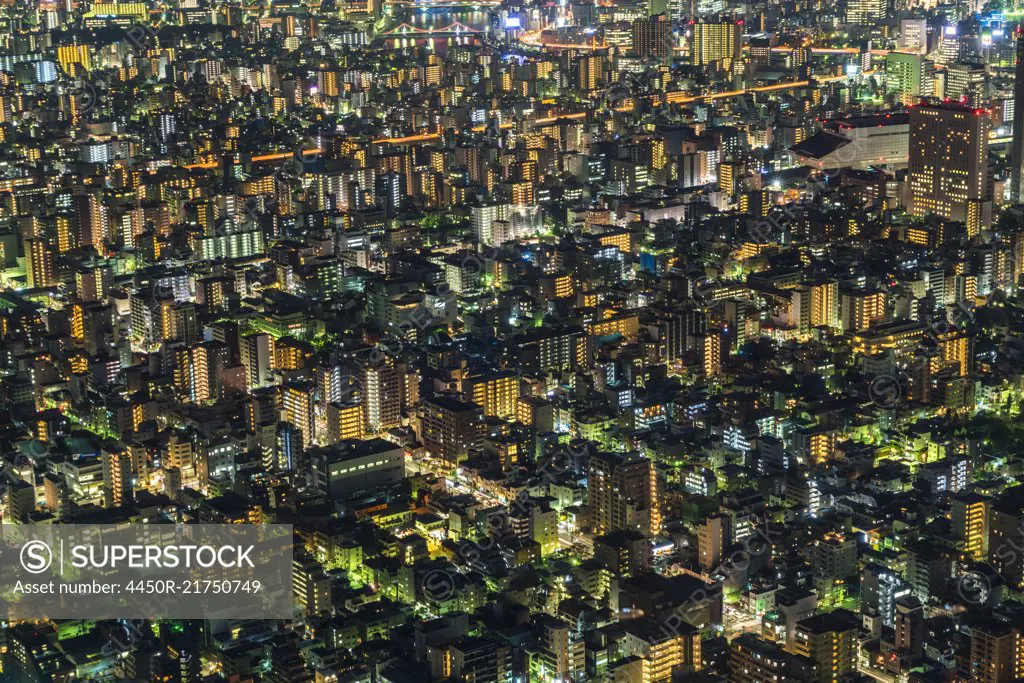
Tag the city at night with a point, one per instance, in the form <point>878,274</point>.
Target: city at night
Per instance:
<point>511,341</point>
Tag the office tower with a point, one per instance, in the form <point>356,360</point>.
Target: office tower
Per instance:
<point>652,38</point>
<point>948,165</point>
<point>913,35</point>
<point>830,640</point>
<point>909,75</point>
<point>865,12</point>
<point>39,264</point>
<point>717,43</point>
<point>622,494</point>
<point>1017,144</point>
<point>969,520</point>
<point>450,428</point>
<point>967,82</point>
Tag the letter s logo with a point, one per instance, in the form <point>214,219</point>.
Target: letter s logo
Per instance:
<point>36,557</point>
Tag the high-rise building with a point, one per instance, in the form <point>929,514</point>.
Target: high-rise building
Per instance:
<point>830,640</point>
<point>117,478</point>
<point>709,350</point>
<point>865,12</point>
<point>834,556</point>
<point>1006,539</point>
<point>969,519</point>
<point>257,356</point>
<point>197,370</point>
<point>652,38</point>
<point>481,659</point>
<point>909,75</point>
<point>561,651</point>
<point>907,645</point>
<point>92,224</point>
<point>73,54</point>
<point>712,537</point>
<point>297,402</point>
<point>824,303</point>
<point>997,652</point>
<point>1017,144</point>
<point>717,42</point>
<point>880,588</point>
<point>40,269</point>
<point>450,429</point>
<point>860,309</point>
<point>496,393</point>
<point>664,651</point>
<point>752,660</point>
<point>345,420</point>
<point>967,82</point>
<point>623,494</point>
<point>382,394</point>
<point>948,166</point>
<point>913,35</point>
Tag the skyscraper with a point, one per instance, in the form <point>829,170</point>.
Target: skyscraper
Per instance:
<point>717,42</point>
<point>948,160</point>
<point>623,494</point>
<point>865,12</point>
<point>652,37</point>
<point>40,268</point>
<point>1017,146</point>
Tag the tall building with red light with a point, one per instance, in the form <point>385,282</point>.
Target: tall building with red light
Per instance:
<point>948,162</point>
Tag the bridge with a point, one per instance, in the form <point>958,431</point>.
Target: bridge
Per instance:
<point>536,39</point>
<point>443,4</point>
<point>406,30</point>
